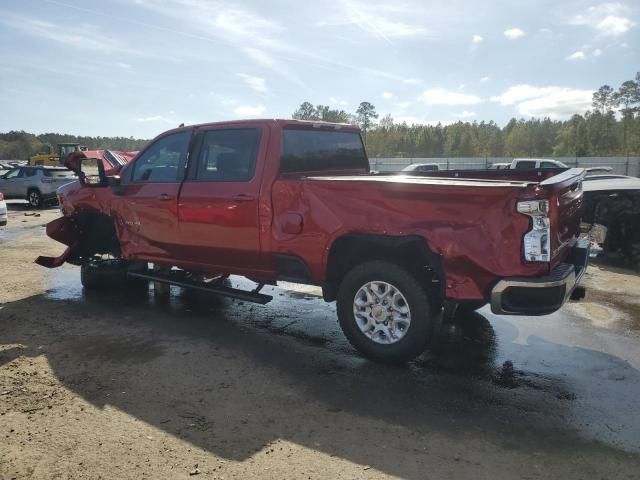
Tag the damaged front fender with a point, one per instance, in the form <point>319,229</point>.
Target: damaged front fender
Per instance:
<point>66,231</point>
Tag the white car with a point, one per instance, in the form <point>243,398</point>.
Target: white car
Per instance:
<point>421,167</point>
<point>535,163</point>
<point>3,211</point>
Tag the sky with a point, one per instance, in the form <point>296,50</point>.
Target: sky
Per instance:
<point>139,67</point>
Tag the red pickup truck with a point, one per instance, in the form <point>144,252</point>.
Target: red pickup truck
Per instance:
<point>291,200</point>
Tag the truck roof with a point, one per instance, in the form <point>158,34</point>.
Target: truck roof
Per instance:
<point>283,123</point>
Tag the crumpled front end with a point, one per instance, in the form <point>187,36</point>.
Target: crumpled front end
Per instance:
<point>66,231</point>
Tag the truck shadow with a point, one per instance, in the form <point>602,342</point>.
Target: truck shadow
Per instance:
<point>200,370</point>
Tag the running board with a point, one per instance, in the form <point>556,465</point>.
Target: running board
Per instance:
<point>253,297</point>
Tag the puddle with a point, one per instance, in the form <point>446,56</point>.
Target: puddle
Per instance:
<point>63,283</point>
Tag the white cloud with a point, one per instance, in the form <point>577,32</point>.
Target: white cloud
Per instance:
<point>552,101</point>
<point>485,79</point>
<point>411,120</point>
<point>465,114</point>
<point>514,33</point>
<point>376,20</point>
<point>387,95</point>
<point>82,37</point>
<point>255,83</point>
<point>614,26</point>
<point>476,39</point>
<point>337,101</point>
<point>412,81</point>
<point>597,52</point>
<point>441,96</point>
<point>249,111</point>
<point>576,56</point>
<point>402,105</point>
<point>154,118</point>
<point>608,19</point>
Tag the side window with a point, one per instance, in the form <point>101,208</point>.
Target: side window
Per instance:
<point>29,172</point>
<point>161,162</point>
<point>526,165</point>
<point>228,155</point>
<point>548,165</point>
<point>15,173</point>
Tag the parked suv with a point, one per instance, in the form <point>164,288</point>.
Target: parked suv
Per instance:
<point>37,185</point>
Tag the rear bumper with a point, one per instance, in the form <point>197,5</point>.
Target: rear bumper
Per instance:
<point>541,295</point>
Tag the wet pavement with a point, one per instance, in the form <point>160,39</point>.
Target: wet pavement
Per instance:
<point>556,371</point>
<point>228,381</point>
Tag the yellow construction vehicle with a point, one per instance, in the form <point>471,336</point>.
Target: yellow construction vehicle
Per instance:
<point>50,159</point>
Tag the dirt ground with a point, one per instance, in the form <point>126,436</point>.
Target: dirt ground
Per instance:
<point>130,386</point>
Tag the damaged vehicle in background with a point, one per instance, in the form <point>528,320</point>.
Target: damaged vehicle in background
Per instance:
<point>613,203</point>
<point>292,200</point>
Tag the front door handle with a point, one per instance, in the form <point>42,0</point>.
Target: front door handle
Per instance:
<point>244,198</point>
<point>164,197</point>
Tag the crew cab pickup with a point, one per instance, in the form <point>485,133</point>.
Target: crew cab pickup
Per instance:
<point>292,200</point>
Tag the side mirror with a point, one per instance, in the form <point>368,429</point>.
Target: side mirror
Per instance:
<point>91,172</point>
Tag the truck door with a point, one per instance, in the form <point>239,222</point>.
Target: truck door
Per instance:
<point>147,207</point>
<point>218,206</point>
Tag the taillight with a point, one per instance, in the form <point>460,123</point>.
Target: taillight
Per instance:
<point>537,241</point>
<point>1,196</point>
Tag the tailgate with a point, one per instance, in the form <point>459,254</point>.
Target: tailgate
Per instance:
<point>565,207</point>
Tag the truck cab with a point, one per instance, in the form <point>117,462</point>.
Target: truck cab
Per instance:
<point>536,164</point>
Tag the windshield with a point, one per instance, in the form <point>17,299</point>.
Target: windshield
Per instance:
<point>67,149</point>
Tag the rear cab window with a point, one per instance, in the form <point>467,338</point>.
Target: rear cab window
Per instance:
<point>549,165</point>
<point>315,150</point>
<point>526,165</point>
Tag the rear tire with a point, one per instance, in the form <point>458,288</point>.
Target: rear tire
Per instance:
<point>384,311</point>
<point>34,197</point>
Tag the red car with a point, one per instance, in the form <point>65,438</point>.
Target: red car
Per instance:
<point>291,200</point>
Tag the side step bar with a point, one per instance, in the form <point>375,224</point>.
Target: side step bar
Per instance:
<point>253,297</point>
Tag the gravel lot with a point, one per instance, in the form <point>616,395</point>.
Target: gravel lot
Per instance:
<point>115,386</point>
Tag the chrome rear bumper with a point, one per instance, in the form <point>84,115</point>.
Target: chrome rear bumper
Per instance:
<point>541,295</point>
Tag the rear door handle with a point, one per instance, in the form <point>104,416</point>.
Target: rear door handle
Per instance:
<point>164,197</point>
<point>244,198</point>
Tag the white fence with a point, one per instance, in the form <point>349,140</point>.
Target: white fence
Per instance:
<point>620,165</point>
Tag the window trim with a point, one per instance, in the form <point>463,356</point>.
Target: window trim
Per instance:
<point>194,160</point>
<point>366,165</point>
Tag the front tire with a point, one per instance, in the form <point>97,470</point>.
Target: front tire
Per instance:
<point>34,197</point>
<point>384,311</point>
<point>110,275</point>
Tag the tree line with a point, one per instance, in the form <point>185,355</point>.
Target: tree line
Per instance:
<point>611,128</point>
<point>20,145</point>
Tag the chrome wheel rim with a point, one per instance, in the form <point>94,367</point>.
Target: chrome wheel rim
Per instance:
<point>34,198</point>
<point>381,312</point>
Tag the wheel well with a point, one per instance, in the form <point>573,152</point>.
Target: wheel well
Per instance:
<point>98,236</point>
<point>411,252</point>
